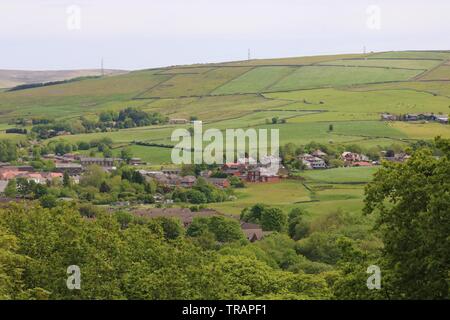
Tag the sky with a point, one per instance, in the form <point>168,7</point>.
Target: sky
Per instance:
<point>138,34</point>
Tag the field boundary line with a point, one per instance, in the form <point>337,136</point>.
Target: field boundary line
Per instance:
<point>153,87</point>
<point>417,77</point>
<point>230,80</point>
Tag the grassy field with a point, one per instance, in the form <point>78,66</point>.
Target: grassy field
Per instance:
<point>441,73</point>
<point>439,55</point>
<point>386,63</point>
<point>374,101</point>
<point>195,84</point>
<point>289,194</point>
<point>356,175</point>
<point>286,194</point>
<point>426,131</point>
<point>256,80</point>
<point>316,77</point>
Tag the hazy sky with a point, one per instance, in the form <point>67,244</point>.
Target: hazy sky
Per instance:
<point>133,34</point>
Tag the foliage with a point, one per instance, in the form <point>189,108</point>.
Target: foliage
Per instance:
<point>412,200</point>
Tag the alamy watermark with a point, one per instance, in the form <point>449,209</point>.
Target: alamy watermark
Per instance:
<point>374,281</point>
<point>373,21</point>
<point>196,146</point>
<point>73,21</point>
<point>74,280</point>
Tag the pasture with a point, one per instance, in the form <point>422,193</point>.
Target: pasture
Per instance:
<point>317,77</point>
<point>385,63</point>
<point>256,80</point>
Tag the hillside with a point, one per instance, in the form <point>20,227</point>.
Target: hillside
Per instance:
<point>310,93</point>
<point>12,78</point>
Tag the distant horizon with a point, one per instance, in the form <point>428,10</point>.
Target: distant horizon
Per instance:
<point>223,61</point>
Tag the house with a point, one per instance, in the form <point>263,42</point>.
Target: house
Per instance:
<point>102,162</point>
<point>411,117</point>
<point>353,157</point>
<point>269,160</point>
<point>262,174</point>
<point>187,181</point>
<point>388,117</point>
<point>234,169</point>
<point>3,185</point>
<point>69,157</point>
<point>178,121</point>
<point>253,232</point>
<point>319,154</point>
<point>312,162</point>
<point>185,215</point>
<point>136,162</point>
<point>441,119</point>
<point>206,173</point>
<point>401,157</point>
<point>176,171</point>
<point>8,172</point>
<point>250,161</point>
<point>73,169</point>
<point>26,169</point>
<point>219,182</point>
<point>42,177</point>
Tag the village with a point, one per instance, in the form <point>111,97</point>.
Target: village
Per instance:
<point>246,170</point>
<point>439,118</point>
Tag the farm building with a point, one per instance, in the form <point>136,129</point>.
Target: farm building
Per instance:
<point>178,121</point>
<point>349,157</point>
<point>102,162</point>
<point>262,175</point>
<point>185,215</point>
<point>312,162</point>
<point>319,154</point>
<point>3,185</point>
<point>388,117</point>
<point>136,162</point>
<point>253,232</point>
<point>219,182</point>
<point>442,119</point>
<point>72,169</point>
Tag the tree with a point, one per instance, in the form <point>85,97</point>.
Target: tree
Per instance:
<point>8,151</point>
<point>297,227</point>
<point>66,180</point>
<point>273,219</point>
<point>330,127</point>
<point>254,213</point>
<point>172,227</point>
<point>412,200</point>
<point>93,176</point>
<point>104,187</point>
<point>223,229</point>
<point>195,196</point>
<point>107,153</point>
<point>275,120</point>
<point>126,154</point>
<point>11,189</point>
<point>48,201</point>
